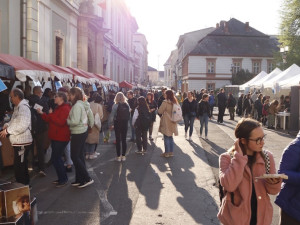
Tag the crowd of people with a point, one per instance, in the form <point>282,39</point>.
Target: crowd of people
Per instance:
<point>73,119</point>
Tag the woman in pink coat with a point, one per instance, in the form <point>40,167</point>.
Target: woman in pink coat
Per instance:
<point>247,200</point>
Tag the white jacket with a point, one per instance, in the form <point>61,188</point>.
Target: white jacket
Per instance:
<point>19,127</point>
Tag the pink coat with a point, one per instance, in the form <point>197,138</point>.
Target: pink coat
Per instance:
<point>235,176</point>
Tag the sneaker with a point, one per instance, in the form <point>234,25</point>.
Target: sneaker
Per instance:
<point>94,156</point>
<point>87,156</point>
<point>123,158</point>
<point>206,138</point>
<point>42,173</point>
<point>118,159</point>
<point>185,135</point>
<point>138,151</point>
<point>200,135</point>
<point>61,184</point>
<point>55,182</point>
<point>190,138</point>
<point>150,138</point>
<point>86,183</point>
<point>171,154</point>
<point>97,153</point>
<point>166,155</point>
<point>75,183</point>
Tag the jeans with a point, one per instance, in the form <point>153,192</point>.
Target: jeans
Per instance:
<point>221,113</point>
<point>121,128</point>
<point>141,139</point>
<point>189,123</point>
<point>77,155</point>
<point>56,158</point>
<point>21,168</point>
<point>169,143</point>
<point>204,119</point>
<point>211,109</point>
<point>90,148</point>
<point>132,129</point>
<point>67,152</point>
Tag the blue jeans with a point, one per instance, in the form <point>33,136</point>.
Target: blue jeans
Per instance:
<point>56,158</point>
<point>90,148</point>
<point>169,143</point>
<point>189,123</point>
<point>132,129</point>
<point>204,119</point>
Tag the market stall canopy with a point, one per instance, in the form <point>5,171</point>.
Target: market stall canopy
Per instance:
<point>125,84</point>
<point>25,68</point>
<point>289,72</point>
<point>61,73</point>
<point>7,71</point>
<point>259,76</point>
<point>288,83</point>
<point>259,83</point>
<point>81,76</point>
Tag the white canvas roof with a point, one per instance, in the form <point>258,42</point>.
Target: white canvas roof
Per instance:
<point>259,76</point>
<point>288,83</point>
<point>259,83</point>
<point>289,72</point>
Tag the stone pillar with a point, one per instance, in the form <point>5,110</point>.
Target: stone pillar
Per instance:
<point>32,30</point>
<point>82,47</point>
<point>99,52</point>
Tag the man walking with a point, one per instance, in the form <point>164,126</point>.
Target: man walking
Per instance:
<point>40,129</point>
<point>221,105</point>
<point>18,130</point>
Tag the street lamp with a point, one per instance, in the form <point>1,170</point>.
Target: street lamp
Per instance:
<point>284,50</point>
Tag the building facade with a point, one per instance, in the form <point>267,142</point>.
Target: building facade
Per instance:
<point>222,51</point>
<point>98,36</point>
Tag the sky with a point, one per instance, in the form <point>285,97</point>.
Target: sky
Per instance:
<point>163,21</point>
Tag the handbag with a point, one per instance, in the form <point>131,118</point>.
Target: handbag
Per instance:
<point>98,121</point>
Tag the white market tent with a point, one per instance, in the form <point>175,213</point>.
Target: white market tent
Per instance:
<point>288,83</point>
<point>288,73</point>
<point>259,76</point>
<point>259,83</point>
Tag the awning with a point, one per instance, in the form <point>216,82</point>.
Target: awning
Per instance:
<point>81,76</point>
<point>7,71</point>
<point>25,68</point>
<point>125,84</point>
<point>61,73</point>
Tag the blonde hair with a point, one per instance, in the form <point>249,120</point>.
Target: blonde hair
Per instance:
<point>120,98</point>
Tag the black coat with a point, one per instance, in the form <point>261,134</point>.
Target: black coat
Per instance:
<point>203,107</point>
<point>221,100</point>
<point>189,107</point>
<point>152,105</point>
<point>41,125</point>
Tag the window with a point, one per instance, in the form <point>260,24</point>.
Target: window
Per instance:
<point>58,53</point>
<point>210,86</point>
<point>236,65</point>
<point>270,66</point>
<point>256,66</point>
<point>211,65</point>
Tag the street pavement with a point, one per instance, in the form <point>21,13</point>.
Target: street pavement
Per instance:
<point>148,189</point>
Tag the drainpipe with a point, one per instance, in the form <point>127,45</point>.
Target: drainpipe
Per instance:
<point>23,28</point>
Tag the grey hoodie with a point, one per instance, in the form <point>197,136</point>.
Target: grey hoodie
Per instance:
<point>80,117</point>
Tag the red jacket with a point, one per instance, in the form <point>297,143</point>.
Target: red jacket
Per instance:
<point>58,127</point>
<point>235,176</point>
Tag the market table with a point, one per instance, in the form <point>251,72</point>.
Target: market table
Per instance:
<point>283,116</point>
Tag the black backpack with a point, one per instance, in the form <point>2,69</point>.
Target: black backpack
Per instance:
<point>34,119</point>
<point>222,192</point>
<point>144,119</point>
<point>123,112</point>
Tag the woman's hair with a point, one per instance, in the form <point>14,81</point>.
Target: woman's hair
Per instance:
<point>142,104</point>
<point>62,95</point>
<point>275,102</point>
<point>77,92</point>
<point>152,96</point>
<point>170,96</point>
<point>244,128</point>
<point>120,98</point>
<point>192,93</point>
<point>47,92</point>
<point>97,98</point>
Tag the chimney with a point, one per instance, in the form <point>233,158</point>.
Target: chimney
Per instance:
<point>226,30</point>
<point>247,26</point>
<point>217,25</point>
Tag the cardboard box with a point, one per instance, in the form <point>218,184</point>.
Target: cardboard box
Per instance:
<point>15,200</point>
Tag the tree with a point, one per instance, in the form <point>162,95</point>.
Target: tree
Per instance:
<point>290,31</point>
<point>241,77</point>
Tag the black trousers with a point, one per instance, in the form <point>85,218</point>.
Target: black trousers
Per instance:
<point>151,128</point>
<point>141,139</point>
<point>21,168</point>
<point>77,156</point>
<point>40,140</point>
<point>121,128</point>
<point>285,219</point>
<point>221,113</point>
